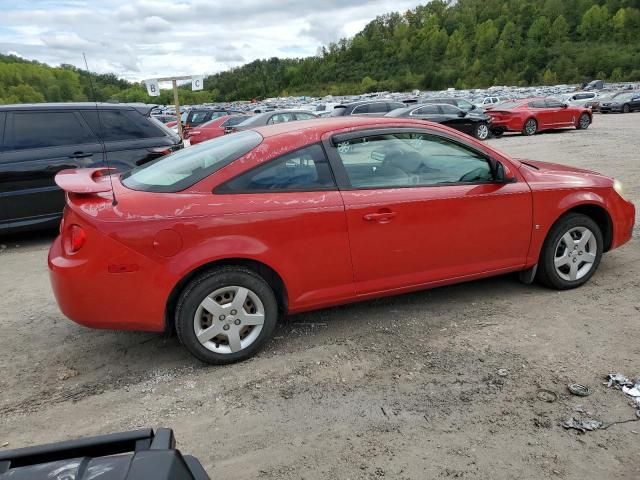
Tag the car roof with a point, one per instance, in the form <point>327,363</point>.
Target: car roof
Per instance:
<point>66,106</point>
<point>323,125</point>
<point>363,102</point>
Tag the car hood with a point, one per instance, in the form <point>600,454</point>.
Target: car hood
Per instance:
<point>554,175</point>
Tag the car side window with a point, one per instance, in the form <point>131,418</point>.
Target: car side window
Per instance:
<point>537,104</point>
<point>360,109</point>
<point>306,169</point>
<point>116,125</point>
<point>449,110</point>
<point>551,103</point>
<point>411,160</point>
<point>304,116</point>
<point>233,121</point>
<point>46,129</point>
<point>426,110</point>
<point>281,118</point>
<point>464,105</point>
<point>378,107</point>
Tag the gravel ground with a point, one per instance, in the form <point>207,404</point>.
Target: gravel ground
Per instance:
<point>436,384</point>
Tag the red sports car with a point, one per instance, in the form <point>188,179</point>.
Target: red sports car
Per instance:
<point>214,128</point>
<point>218,240</point>
<point>533,115</point>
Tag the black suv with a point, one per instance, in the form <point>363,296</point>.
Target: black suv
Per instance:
<point>372,108</point>
<point>39,140</point>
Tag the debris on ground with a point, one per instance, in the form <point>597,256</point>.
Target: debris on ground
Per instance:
<point>579,390</point>
<point>582,425</point>
<point>545,395</point>
<point>503,372</point>
<point>629,388</point>
<point>66,373</point>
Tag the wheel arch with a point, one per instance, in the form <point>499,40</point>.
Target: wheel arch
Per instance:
<point>271,276</point>
<point>598,214</point>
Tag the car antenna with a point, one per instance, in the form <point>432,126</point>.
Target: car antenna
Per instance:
<point>114,202</point>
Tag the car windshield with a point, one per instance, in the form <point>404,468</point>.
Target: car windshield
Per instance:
<point>185,168</point>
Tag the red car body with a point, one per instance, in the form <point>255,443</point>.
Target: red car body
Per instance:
<point>322,248</point>
<point>548,114</point>
<point>211,129</point>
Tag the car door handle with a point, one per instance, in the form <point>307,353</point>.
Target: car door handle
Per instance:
<point>382,217</point>
<point>80,155</point>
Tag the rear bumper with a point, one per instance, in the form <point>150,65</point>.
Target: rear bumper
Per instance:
<point>506,125</point>
<point>90,295</point>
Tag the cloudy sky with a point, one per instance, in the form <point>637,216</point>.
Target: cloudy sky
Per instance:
<point>139,39</point>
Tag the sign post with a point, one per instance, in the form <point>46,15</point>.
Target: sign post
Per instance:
<point>154,90</point>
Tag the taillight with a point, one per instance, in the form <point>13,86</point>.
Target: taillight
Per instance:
<point>77,238</point>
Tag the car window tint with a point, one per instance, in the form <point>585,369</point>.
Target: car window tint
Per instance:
<point>214,115</point>
<point>47,129</point>
<point>198,117</point>
<point>180,170</point>
<point>306,169</point>
<point>551,103</point>
<point>360,109</point>
<point>281,118</point>
<point>537,104</point>
<point>304,116</point>
<point>410,160</point>
<point>449,109</point>
<point>115,125</point>
<point>378,107</point>
<point>426,110</point>
<point>233,121</point>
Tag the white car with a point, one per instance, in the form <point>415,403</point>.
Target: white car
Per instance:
<point>579,98</point>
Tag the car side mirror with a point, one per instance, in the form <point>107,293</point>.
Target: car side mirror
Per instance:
<point>503,174</point>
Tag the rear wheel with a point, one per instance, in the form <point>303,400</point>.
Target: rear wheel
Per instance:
<point>625,108</point>
<point>583,122</point>
<point>571,252</point>
<point>481,131</point>
<point>530,127</point>
<point>226,315</point>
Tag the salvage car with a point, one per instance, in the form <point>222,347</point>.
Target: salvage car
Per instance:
<point>271,118</point>
<point>623,103</point>
<point>37,141</point>
<point>214,128</point>
<point>534,115</point>
<point>471,123</point>
<point>372,108</point>
<point>225,237</point>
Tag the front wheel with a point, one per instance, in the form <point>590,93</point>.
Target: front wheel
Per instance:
<point>571,252</point>
<point>625,108</point>
<point>583,122</point>
<point>530,127</point>
<point>481,131</point>
<point>226,315</point>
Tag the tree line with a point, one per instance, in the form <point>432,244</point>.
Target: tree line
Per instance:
<point>462,44</point>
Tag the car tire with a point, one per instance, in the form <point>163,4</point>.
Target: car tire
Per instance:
<point>206,306</point>
<point>583,122</point>
<point>571,252</point>
<point>530,127</point>
<point>625,108</point>
<point>481,131</point>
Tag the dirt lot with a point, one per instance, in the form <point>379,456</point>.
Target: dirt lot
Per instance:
<point>402,388</point>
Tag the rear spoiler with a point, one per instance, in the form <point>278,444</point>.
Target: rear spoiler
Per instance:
<point>85,180</point>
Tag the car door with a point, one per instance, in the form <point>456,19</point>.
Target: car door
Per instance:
<point>293,206</point>
<point>428,112</point>
<point>3,211</point>
<point>39,144</point>
<point>559,115</point>
<point>635,102</point>
<point>422,207</point>
<point>456,118</point>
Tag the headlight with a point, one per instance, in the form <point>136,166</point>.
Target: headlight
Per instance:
<point>618,187</point>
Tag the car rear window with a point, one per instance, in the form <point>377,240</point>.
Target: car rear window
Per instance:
<point>508,105</point>
<point>187,167</point>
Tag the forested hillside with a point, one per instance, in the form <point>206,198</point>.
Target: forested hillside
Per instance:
<point>468,43</point>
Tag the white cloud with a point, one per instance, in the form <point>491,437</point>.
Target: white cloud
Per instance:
<point>138,39</point>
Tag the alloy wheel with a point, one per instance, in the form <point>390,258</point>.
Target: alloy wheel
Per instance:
<point>482,132</point>
<point>584,121</point>
<point>575,254</point>
<point>229,319</point>
<point>530,127</point>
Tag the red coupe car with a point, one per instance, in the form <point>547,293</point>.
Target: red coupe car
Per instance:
<point>533,115</point>
<point>214,128</point>
<point>220,239</point>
